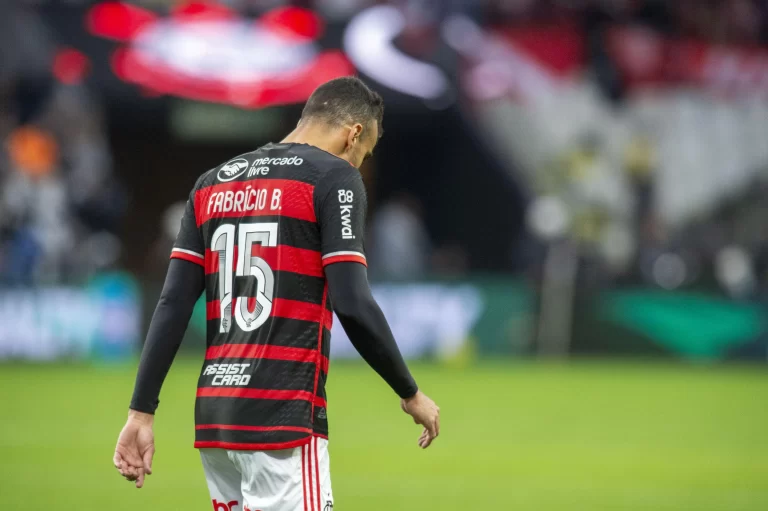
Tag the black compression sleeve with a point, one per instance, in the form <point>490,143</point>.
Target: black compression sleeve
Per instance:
<point>366,325</point>
<point>183,285</point>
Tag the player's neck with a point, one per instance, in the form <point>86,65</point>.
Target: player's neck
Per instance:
<point>313,135</point>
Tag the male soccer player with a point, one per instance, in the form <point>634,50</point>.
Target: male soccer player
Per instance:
<point>275,239</point>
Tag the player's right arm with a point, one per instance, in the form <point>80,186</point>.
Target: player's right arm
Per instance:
<point>184,283</point>
<point>341,204</point>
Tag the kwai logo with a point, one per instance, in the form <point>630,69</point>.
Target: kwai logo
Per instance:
<point>346,197</point>
<point>232,170</point>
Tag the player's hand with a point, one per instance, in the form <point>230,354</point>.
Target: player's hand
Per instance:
<point>135,448</point>
<point>425,412</point>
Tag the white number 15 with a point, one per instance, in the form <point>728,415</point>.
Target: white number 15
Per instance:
<point>223,243</point>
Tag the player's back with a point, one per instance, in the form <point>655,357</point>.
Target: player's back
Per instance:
<point>263,225</point>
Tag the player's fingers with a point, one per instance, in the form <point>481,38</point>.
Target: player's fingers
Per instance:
<point>437,424</point>
<point>128,474</point>
<point>425,439</point>
<point>117,460</point>
<point>148,460</point>
<point>140,478</point>
<point>432,428</point>
<point>133,459</point>
<point>129,471</point>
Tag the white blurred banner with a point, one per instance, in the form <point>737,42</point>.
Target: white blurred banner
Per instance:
<point>426,319</point>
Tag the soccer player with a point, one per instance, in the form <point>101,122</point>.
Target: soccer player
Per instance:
<point>274,238</point>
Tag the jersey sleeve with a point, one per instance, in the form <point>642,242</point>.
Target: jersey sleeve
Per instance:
<point>189,242</point>
<point>341,210</point>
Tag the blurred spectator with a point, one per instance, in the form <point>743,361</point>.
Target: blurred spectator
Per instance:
<point>399,246</point>
<point>161,250</point>
<point>75,118</point>
<point>450,260</point>
<point>26,53</point>
<point>34,208</point>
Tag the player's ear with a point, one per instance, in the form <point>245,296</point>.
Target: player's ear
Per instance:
<point>354,135</point>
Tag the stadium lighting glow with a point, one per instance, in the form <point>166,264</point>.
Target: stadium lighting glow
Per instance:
<point>117,20</point>
<point>368,43</point>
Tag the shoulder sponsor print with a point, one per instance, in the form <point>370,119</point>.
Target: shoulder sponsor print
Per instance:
<point>232,169</point>
<point>237,167</point>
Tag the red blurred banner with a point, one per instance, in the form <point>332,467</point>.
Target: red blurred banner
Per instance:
<point>531,62</point>
<point>646,59</point>
<point>208,52</point>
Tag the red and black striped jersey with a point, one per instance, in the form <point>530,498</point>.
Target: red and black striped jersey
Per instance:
<point>264,225</point>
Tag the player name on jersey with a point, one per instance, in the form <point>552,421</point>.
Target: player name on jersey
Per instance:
<point>243,201</point>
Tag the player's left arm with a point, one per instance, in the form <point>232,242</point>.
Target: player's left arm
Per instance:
<point>341,208</point>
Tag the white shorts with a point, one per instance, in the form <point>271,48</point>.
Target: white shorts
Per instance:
<point>296,479</point>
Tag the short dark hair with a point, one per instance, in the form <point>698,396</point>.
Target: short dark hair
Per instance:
<point>345,100</point>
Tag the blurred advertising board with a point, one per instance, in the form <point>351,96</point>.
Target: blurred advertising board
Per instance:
<point>100,319</point>
<point>438,319</point>
<point>494,318</point>
<point>701,326</point>
<point>442,320</point>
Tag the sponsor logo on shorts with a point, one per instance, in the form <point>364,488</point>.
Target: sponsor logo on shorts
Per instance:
<point>225,506</point>
<point>328,505</point>
<point>321,413</point>
<point>227,374</point>
<point>232,170</point>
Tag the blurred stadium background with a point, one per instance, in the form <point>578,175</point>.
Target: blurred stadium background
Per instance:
<point>568,233</point>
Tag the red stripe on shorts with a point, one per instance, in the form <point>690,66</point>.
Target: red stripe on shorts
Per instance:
<point>317,472</point>
<point>309,471</point>
<point>303,474</point>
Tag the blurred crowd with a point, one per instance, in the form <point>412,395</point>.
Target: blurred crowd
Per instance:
<point>59,203</point>
<point>726,21</point>
<point>722,21</point>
